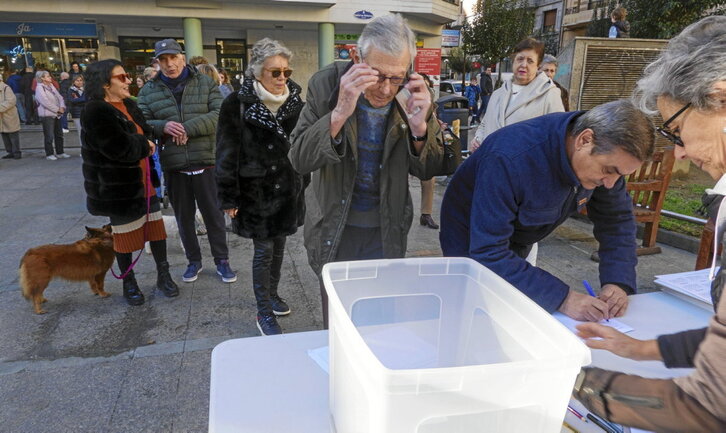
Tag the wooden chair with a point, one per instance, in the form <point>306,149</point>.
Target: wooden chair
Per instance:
<point>705,248</point>
<point>648,187</point>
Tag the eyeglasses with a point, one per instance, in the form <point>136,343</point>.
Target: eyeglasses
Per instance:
<point>122,77</point>
<point>276,72</point>
<point>667,133</point>
<point>395,81</point>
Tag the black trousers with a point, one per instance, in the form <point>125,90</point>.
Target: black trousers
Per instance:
<point>266,265</point>
<point>31,114</point>
<point>52,129</point>
<point>356,243</point>
<point>186,193</point>
<point>12,142</point>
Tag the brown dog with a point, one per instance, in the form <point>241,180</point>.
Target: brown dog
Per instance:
<point>86,260</point>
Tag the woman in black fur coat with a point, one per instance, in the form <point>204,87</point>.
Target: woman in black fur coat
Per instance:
<point>257,186</point>
<point>118,174</point>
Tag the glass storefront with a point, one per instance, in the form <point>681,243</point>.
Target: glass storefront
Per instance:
<point>53,46</point>
<point>138,52</point>
<point>54,54</point>
<point>232,57</point>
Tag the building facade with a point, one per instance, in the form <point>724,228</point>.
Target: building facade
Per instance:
<point>578,15</point>
<point>55,33</point>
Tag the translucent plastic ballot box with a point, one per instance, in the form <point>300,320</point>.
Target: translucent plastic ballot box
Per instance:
<point>442,345</point>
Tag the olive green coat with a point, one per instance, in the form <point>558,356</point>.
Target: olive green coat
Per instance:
<point>200,106</point>
<point>334,169</point>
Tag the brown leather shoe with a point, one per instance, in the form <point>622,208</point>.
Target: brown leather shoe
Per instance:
<point>428,221</point>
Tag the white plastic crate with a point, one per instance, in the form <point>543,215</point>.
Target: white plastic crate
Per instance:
<point>443,345</point>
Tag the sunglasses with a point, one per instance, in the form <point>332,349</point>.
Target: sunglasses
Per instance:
<point>667,133</point>
<point>276,72</point>
<point>122,77</point>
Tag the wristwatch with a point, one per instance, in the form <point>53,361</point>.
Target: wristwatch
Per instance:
<point>417,138</point>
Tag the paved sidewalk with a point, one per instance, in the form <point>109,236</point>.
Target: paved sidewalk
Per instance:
<point>99,365</point>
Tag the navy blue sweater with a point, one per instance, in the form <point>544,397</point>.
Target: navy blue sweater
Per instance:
<point>514,191</point>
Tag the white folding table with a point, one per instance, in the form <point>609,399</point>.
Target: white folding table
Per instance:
<point>264,384</point>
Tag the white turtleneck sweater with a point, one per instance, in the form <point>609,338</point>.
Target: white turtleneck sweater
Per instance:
<point>272,102</point>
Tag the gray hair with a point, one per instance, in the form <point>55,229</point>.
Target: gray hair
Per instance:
<point>64,75</point>
<point>40,74</point>
<point>549,58</point>
<point>389,34</point>
<point>149,73</point>
<point>261,50</point>
<point>688,68</point>
<point>618,124</point>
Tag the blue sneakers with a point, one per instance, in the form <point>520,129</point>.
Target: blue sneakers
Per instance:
<point>193,270</point>
<point>224,271</point>
<point>279,306</point>
<point>267,324</point>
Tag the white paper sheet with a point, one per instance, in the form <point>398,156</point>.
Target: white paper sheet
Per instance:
<point>571,323</point>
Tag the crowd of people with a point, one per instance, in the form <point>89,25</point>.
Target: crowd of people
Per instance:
<point>339,163</point>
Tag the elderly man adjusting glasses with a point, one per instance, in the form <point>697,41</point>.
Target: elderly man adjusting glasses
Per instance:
<point>363,146</point>
<point>527,178</point>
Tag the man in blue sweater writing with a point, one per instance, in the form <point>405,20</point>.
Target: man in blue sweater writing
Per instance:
<point>527,178</point>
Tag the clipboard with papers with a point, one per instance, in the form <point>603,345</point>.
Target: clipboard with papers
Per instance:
<point>693,287</point>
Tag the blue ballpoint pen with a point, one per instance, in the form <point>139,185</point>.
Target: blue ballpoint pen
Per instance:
<point>588,287</point>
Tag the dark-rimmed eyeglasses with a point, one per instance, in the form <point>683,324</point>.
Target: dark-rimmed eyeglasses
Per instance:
<point>276,72</point>
<point>667,133</point>
<point>122,77</point>
<point>395,81</point>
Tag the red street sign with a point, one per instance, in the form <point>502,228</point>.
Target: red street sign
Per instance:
<point>428,61</point>
<point>476,65</point>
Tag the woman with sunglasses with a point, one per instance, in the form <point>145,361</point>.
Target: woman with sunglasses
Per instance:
<point>118,174</point>
<point>258,188</point>
<point>687,86</point>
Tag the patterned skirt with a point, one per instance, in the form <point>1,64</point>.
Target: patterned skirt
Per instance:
<point>129,234</point>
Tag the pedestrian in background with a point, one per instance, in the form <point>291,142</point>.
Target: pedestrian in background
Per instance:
<point>118,175</point>
<point>620,27</point>
<point>51,106</point>
<point>528,94</point>
<point>225,86</point>
<point>487,88</point>
<point>26,87</point>
<point>182,105</point>
<point>258,188</point>
<point>9,121</point>
<point>76,100</point>
<point>75,71</point>
<point>549,67</point>
<point>149,74</point>
<point>64,84</point>
<point>427,186</point>
<point>15,83</point>
<point>472,94</point>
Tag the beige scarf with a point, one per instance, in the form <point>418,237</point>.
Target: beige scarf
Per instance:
<point>272,102</point>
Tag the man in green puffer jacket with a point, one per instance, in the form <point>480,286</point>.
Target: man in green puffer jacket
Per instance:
<point>182,106</point>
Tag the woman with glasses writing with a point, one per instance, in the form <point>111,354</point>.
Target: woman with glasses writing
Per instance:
<point>529,94</point>
<point>687,86</point>
<point>258,188</point>
<point>118,174</point>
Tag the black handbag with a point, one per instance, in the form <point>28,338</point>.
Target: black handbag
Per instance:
<point>452,152</point>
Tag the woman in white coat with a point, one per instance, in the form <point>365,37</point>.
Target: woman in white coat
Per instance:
<point>529,94</point>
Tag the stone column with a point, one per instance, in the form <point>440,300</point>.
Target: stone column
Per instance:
<point>326,42</point>
<point>193,37</point>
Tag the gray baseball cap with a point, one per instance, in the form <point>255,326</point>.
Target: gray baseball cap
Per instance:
<point>167,46</point>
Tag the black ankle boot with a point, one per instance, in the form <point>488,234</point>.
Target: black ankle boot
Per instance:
<point>132,293</point>
<point>164,282</point>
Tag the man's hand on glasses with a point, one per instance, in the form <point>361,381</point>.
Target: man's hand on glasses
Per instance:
<point>352,84</point>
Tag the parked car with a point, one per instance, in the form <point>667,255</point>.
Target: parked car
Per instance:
<point>451,87</point>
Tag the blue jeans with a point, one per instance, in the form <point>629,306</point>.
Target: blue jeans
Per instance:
<point>20,104</point>
<point>483,107</point>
